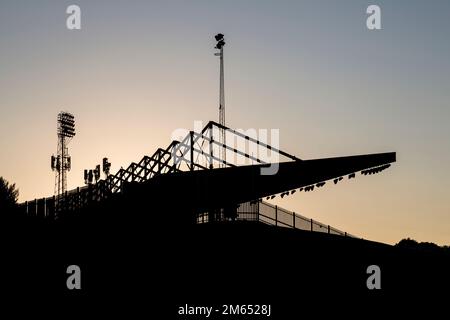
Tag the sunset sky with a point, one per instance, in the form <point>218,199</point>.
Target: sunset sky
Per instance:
<point>138,70</point>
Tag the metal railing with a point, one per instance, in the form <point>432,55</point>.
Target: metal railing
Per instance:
<point>267,213</point>
<point>70,201</point>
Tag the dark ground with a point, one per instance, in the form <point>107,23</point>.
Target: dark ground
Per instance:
<point>156,267</point>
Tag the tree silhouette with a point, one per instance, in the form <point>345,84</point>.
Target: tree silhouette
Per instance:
<point>422,246</point>
<point>8,196</point>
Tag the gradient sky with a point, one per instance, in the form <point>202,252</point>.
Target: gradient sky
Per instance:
<point>138,70</point>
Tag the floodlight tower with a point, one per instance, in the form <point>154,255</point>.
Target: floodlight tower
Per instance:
<point>220,44</point>
<point>61,163</point>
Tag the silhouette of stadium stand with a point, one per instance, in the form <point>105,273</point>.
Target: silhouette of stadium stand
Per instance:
<point>187,225</point>
<point>191,181</point>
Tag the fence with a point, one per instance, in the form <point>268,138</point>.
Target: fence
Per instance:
<point>267,213</point>
<point>71,201</point>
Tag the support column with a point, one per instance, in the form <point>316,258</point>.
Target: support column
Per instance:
<point>191,133</point>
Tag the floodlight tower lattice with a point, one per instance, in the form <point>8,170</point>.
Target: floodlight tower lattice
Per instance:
<point>61,163</point>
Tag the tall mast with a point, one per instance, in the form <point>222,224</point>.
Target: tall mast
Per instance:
<point>61,163</point>
<point>220,44</point>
